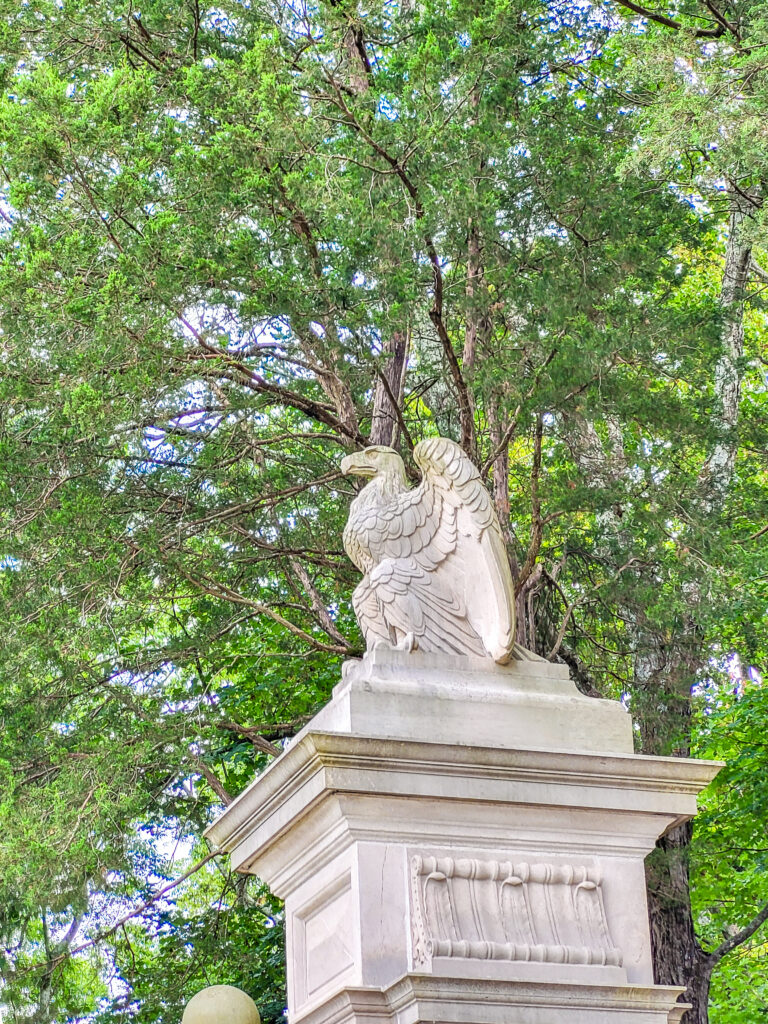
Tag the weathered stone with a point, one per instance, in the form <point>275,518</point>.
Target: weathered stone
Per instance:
<point>463,843</point>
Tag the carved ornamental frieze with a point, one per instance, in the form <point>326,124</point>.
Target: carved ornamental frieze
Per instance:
<point>499,910</point>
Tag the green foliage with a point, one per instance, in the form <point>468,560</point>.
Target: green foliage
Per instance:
<point>731,857</point>
<point>217,223</point>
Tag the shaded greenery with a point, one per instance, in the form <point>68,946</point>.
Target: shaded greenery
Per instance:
<point>241,241</point>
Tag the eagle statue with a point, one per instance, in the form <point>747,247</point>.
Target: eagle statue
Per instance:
<point>436,574</point>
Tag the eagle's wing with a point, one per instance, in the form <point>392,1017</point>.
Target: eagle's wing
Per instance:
<point>400,599</point>
<point>468,526</point>
<point>411,526</point>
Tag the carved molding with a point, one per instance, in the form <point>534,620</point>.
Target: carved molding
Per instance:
<point>497,910</point>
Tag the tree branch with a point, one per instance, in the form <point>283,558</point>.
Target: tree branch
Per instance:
<point>466,418</point>
<point>537,525</point>
<point>221,590</point>
<point>136,912</point>
<point>321,612</point>
<point>662,19</point>
<point>512,426</point>
<point>393,402</point>
<point>209,776</point>
<point>253,736</point>
<point>240,373</point>
<point>740,937</point>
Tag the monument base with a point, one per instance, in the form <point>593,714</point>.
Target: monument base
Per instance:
<point>444,699</point>
<point>463,843</point>
<point>420,999</point>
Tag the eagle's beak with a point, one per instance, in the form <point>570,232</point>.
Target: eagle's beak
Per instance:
<point>357,464</point>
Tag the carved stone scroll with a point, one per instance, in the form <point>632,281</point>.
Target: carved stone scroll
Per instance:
<point>497,910</point>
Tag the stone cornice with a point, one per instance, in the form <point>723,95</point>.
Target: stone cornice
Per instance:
<point>319,763</point>
<point>413,996</point>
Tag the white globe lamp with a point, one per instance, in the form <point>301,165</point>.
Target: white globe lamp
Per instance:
<point>221,1004</point>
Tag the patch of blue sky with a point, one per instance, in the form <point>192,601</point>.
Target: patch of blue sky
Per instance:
<point>361,281</point>
<point>557,231</point>
<point>160,449</point>
<point>186,705</point>
<point>388,108</point>
<point>180,114</point>
<point>242,336</point>
<point>221,22</point>
<point>63,728</point>
<point>695,200</point>
<point>9,563</point>
<point>8,214</point>
<point>518,151</point>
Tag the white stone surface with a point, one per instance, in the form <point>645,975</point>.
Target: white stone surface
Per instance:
<point>462,842</point>
<point>501,911</point>
<point>221,1004</point>
<point>435,1000</point>
<point>526,703</point>
<point>436,572</point>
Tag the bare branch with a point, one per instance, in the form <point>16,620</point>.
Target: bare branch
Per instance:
<point>740,937</point>
<point>384,390</point>
<point>210,777</point>
<point>253,736</point>
<point>662,19</point>
<point>136,912</point>
<point>466,417</point>
<point>321,612</point>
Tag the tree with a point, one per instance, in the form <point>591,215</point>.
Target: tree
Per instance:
<point>699,86</point>
<point>241,242</point>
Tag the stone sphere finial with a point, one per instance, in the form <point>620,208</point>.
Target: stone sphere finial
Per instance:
<point>221,1004</point>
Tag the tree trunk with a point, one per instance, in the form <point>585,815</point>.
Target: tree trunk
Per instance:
<point>661,705</point>
<point>385,425</point>
<point>664,675</point>
<point>697,993</point>
<point>677,956</point>
<point>717,471</point>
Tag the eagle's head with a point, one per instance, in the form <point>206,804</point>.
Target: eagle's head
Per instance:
<point>376,461</point>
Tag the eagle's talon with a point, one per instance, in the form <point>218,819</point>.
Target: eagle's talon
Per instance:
<point>408,643</point>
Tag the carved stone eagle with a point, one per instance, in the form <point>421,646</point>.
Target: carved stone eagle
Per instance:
<point>436,574</point>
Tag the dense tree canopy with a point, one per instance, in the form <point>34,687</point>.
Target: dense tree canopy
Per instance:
<point>239,241</point>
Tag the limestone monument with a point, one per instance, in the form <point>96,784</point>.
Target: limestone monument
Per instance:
<point>459,834</point>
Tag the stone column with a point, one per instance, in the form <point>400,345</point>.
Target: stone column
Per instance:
<point>463,843</point>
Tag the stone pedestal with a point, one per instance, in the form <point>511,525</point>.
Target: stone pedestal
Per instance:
<point>462,843</point>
